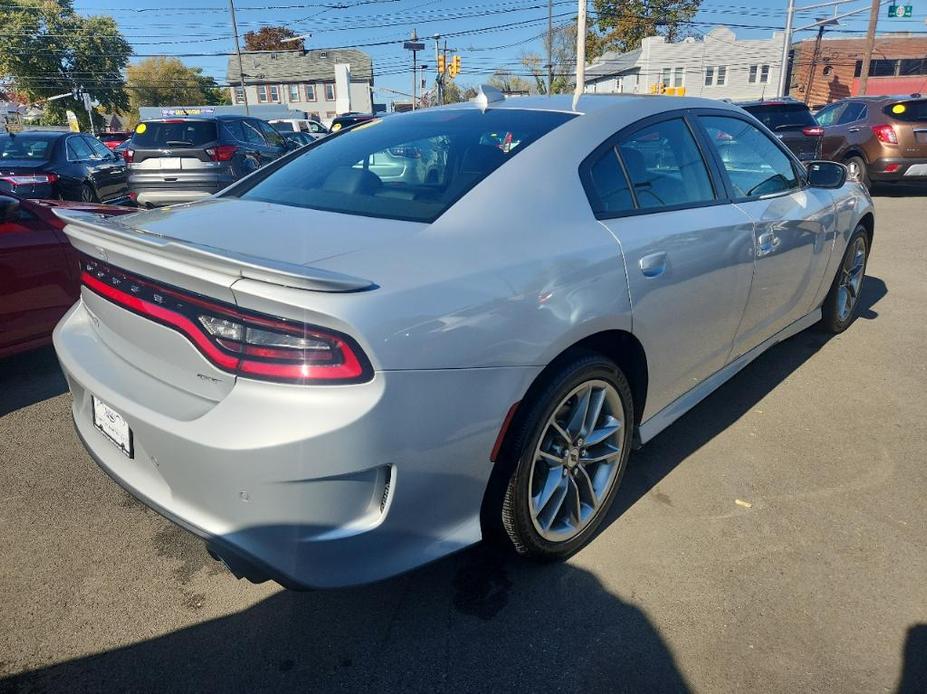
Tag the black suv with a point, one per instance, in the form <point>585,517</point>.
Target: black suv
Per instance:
<point>791,121</point>
<point>175,160</point>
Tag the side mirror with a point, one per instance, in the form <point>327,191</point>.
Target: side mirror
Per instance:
<point>9,209</point>
<point>826,174</point>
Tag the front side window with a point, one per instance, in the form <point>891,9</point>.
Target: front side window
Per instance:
<point>665,166</point>
<point>828,115</point>
<point>755,165</point>
<point>406,167</point>
<point>329,92</point>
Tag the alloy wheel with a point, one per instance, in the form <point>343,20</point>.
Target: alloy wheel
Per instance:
<point>576,461</point>
<point>851,278</point>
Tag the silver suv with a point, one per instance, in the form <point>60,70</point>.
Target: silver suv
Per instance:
<point>177,160</point>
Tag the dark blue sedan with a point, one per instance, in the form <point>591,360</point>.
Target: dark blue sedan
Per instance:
<point>54,164</point>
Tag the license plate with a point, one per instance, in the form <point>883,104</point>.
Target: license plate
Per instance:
<point>113,425</point>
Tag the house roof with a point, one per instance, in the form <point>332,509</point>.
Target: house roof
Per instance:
<point>612,63</point>
<point>296,66</point>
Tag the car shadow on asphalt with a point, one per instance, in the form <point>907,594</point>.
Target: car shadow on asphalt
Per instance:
<point>26,379</point>
<point>913,678</point>
<point>898,190</point>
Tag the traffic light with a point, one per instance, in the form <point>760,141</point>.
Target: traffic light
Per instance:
<point>442,66</point>
<point>455,66</point>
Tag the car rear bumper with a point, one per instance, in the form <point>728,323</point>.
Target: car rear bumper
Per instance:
<point>899,169</point>
<point>31,191</point>
<point>167,189</point>
<point>310,486</point>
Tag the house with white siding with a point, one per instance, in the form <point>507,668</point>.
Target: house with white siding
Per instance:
<point>304,81</point>
<point>718,65</point>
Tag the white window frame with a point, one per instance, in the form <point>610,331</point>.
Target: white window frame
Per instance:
<point>293,92</point>
<point>309,90</point>
<point>722,76</point>
<point>679,75</point>
<point>275,93</point>
<point>239,95</point>
<point>330,86</point>
<point>753,74</point>
<point>262,93</point>
<point>764,74</point>
<point>709,75</point>
<point>666,75</point>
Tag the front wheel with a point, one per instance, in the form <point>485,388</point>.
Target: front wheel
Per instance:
<point>856,168</point>
<point>839,309</point>
<point>572,446</point>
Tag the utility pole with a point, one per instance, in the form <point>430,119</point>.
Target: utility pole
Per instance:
<point>241,68</point>
<point>439,80</point>
<point>414,45</point>
<point>550,46</point>
<point>870,44</point>
<point>786,47</point>
<point>581,52</point>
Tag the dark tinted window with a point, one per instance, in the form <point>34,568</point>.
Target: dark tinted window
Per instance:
<point>829,114</point>
<point>26,146</point>
<point>665,165</point>
<point>78,149</point>
<point>782,116</point>
<point>755,165</point>
<point>113,137</point>
<point>166,134</point>
<point>99,149</point>
<point>908,111</point>
<point>410,167</point>
<point>853,112</point>
<point>609,193</point>
<point>233,129</point>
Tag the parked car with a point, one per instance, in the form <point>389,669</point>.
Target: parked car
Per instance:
<point>298,139</point>
<point>176,160</point>
<point>879,138</point>
<point>55,164</point>
<point>312,128</point>
<point>39,273</point>
<point>114,139</point>
<point>335,377</point>
<point>346,119</point>
<point>791,121</point>
<point>120,149</point>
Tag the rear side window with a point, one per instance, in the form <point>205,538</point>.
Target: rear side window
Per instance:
<point>182,133</point>
<point>853,112</point>
<point>78,150</point>
<point>908,111</point>
<point>782,116</point>
<point>608,187</point>
<point>665,166</point>
<point>233,129</point>
<point>411,167</point>
<point>755,165</point>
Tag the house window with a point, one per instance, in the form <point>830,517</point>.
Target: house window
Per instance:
<point>722,75</point>
<point>274,94</point>
<point>329,92</point>
<point>677,76</point>
<point>753,71</point>
<point>294,92</point>
<point>764,74</point>
<point>262,93</point>
<point>665,77</point>
<point>310,92</point>
<point>239,95</point>
<point>709,76</point>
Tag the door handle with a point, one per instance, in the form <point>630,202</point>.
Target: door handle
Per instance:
<point>766,244</point>
<point>853,130</point>
<point>654,264</point>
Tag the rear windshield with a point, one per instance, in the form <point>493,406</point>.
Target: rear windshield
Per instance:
<point>181,133</point>
<point>411,167</point>
<point>26,146</point>
<point>908,111</point>
<point>782,116</point>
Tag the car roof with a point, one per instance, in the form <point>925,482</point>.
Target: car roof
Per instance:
<point>59,133</point>
<point>784,101</point>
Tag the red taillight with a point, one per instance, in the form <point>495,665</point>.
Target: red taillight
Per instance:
<point>885,133</point>
<point>891,168</point>
<point>30,179</point>
<point>222,152</point>
<point>813,131</point>
<point>242,342</point>
<point>128,155</point>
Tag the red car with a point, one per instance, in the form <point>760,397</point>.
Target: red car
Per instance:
<point>114,139</point>
<point>38,269</point>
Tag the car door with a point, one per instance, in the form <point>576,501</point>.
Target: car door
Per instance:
<point>257,145</point>
<point>832,142</point>
<point>79,168</point>
<point>36,288</point>
<point>688,252</point>
<point>112,177</point>
<point>793,224</point>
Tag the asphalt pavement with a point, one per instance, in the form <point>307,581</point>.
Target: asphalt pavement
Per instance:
<point>774,540</point>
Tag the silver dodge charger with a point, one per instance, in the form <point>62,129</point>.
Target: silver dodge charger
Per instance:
<point>445,326</point>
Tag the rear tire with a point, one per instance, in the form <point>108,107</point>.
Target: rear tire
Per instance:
<point>570,446</point>
<point>840,306</point>
<point>859,170</point>
<point>88,194</point>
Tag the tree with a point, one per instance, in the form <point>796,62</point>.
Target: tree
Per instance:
<point>621,24</point>
<point>164,81</point>
<point>563,59</point>
<point>271,39</point>
<point>508,82</point>
<point>48,49</point>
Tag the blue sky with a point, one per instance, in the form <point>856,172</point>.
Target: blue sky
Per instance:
<point>487,33</point>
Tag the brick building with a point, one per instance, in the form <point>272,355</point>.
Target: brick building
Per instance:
<point>899,66</point>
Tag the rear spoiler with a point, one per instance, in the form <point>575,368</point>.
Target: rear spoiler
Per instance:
<point>94,229</point>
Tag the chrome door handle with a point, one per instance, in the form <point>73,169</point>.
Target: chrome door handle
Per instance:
<point>853,130</point>
<point>653,265</point>
<point>766,244</point>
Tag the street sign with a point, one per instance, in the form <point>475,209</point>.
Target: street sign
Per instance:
<point>901,10</point>
<point>414,46</point>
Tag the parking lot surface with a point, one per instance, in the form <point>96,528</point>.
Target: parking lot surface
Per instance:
<point>774,539</point>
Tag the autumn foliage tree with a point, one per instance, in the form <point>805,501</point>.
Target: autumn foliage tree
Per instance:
<point>164,81</point>
<point>622,24</point>
<point>272,39</point>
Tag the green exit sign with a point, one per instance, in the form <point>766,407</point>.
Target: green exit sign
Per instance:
<point>900,10</point>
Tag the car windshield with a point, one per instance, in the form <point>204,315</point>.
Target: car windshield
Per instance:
<point>174,133</point>
<point>782,116</point>
<point>411,167</point>
<point>29,146</point>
